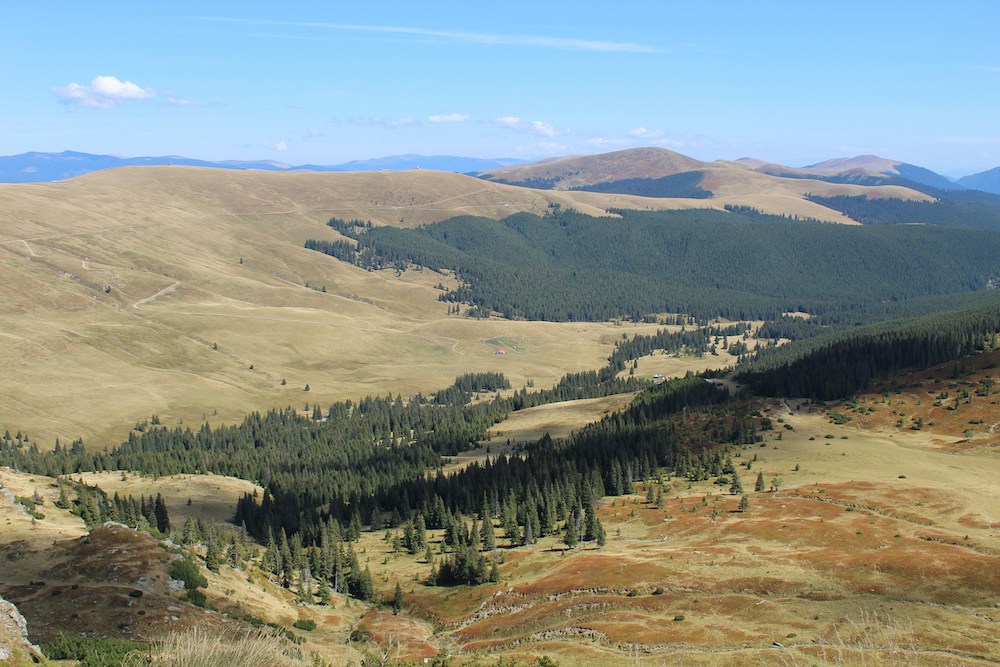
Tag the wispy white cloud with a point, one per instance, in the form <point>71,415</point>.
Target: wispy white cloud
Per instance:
<point>606,142</point>
<point>676,143</point>
<point>645,133</point>
<point>378,121</point>
<point>990,68</point>
<point>537,41</point>
<point>181,102</point>
<point>448,118</point>
<point>104,92</point>
<point>537,127</point>
<point>280,146</point>
<point>313,133</point>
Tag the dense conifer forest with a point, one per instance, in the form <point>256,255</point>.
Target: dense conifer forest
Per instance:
<point>842,362</point>
<point>706,263</point>
<point>970,209</point>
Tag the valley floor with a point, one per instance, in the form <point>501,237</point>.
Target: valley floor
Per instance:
<point>878,547</point>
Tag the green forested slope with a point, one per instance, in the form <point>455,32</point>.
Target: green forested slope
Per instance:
<point>569,266</point>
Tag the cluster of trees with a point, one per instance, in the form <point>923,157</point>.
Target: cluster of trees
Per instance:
<point>349,228</point>
<point>94,506</point>
<point>695,342</point>
<point>736,264</point>
<point>329,565</point>
<point>465,385</point>
<point>685,184</point>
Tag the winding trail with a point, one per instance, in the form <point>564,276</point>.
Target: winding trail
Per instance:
<point>165,290</point>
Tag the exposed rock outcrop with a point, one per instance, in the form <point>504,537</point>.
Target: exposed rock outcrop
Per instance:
<point>15,648</point>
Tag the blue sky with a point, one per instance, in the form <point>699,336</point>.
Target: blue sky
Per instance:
<point>298,82</point>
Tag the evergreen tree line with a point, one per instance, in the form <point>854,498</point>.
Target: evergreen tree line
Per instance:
<point>705,263</point>
<point>952,209</point>
<point>847,361</point>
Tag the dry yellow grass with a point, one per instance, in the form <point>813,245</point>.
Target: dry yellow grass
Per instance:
<point>203,648</point>
<point>184,319</point>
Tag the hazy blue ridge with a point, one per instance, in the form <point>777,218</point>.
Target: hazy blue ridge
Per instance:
<point>36,167</point>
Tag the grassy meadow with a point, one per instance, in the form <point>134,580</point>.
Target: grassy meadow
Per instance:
<point>187,294</point>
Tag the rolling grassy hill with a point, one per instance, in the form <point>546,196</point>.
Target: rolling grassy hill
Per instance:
<point>186,292</point>
<point>183,292</point>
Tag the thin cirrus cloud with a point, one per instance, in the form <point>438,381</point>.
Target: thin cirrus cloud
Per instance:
<point>537,127</point>
<point>104,92</point>
<point>606,142</point>
<point>562,43</point>
<point>645,133</point>
<point>448,118</point>
<point>378,121</point>
<point>172,101</point>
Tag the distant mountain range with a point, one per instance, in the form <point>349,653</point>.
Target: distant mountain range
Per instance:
<point>652,172</point>
<point>664,173</point>
<point>37,167</point>
<point>987,181</point>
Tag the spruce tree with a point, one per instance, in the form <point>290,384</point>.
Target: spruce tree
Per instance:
<point>736,488</point>
<point>759,486</point>
<point>160,512</point>
<point>397,599</point>
<point>213,552</point>
<point>488,535</point>
<point>570,534</point>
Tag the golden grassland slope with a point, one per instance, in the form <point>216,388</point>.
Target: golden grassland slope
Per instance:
<point>741,183</point>
<point>577,170</point>
<point>187,293</point>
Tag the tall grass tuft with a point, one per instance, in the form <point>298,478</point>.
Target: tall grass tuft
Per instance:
<point>198,647</point>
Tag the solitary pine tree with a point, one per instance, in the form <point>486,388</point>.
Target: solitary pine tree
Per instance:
<point>397,599</point>
<point>759,486</point>
<point>744,503</point>
<point>736,488</point>
<point>571,536</point>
